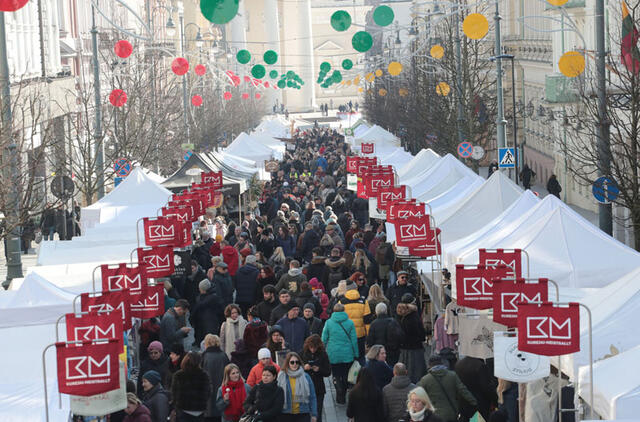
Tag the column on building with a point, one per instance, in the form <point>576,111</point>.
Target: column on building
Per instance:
<point>272,31</point>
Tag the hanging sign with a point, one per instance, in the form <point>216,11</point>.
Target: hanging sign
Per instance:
<point>121,276</point>
<point>367,148</point>
<point>214,178</point>
<point>160,231</point>
<point>118,301</point>
<point>94,326</point>
<point>183,213</point>
<point>507,294</point>
<point>512,364</point>
<point>156,262</point>
<point>104,403</point>
<point>512,259</point>
<point>88,368</point>
<point>548,329</point>
<point>474,285</point>
<point>148,303</point>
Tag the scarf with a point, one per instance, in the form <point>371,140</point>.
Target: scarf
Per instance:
<point>237,395</point>
<point>302,386</point>
<point>295,272</point>
<point>417,416</point>
<point>231,334</point>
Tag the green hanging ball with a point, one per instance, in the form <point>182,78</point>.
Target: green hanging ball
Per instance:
<point>362,41</point>
<point>283,76</point>
<point>219,11</point>
<point>258,71</point>
<point>336,76</point>
<point>289,84</point>
<point>243,56</point>
<point>383,15</point>
<point>273,74</point>
<point>270,57</point>
<point>341,20</point>
<point>320,78</point>
<point>281,84</point>
<point>347,64</point>
<point>325,67</point>
<point>290,74</point>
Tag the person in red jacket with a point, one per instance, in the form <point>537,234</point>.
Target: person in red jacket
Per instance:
<point>230,257</point>
<point>264,359</point>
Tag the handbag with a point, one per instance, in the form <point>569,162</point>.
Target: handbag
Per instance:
<point>454,408</point>
<point>352,376</point>
<point>38,237</point>
<point>248,417</point>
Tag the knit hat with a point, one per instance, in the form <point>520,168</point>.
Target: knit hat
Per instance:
<point>402,272</point>
<point>264,353</point>
<point>204,285</point>
<point>222,265</point>
<point>219,238</point>
<point>177,348</point>
<point>276,328</point>
<point>153,377</point>
<point>309,306</point>
<point>155,345</point>
<point>251,259</point>
<point>408,298</point>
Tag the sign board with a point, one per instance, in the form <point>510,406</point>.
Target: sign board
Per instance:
<point>352,182</point>
<point>122,167</point>
<point>465,149</point>
<point>272,166</point>
<point>62,187</point>
<point>605,190</point>
<point>348,132</point>
<point>506,158</point>
<point>478,152</point>
<point>187,155</point>
<point>117,181</point>
<point>187,147</point>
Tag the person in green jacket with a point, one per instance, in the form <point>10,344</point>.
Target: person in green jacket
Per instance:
<point>340,339</point>
<point>444,388</point>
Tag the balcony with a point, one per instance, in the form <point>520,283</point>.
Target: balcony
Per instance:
<point>569,5</point>
<point>559,89</point>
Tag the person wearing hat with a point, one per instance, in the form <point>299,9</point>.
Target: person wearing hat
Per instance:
<point>222,282</point>
<point>276,343</point>
<point>358,310</point>
<point>230,256</point>
<point>246,283</point>
<point>205,315</point>
<point>176,354</point>
<point>156,361</point>
<point>402,287</point>
<point>314,324</point>
<point>154,396</point>
<point>294,328</point>
<point>264,359</point>
<point>411,347</point>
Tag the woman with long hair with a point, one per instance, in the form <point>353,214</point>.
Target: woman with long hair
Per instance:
<point>376,296</point>
<point>232,394</point>
<point>265,276</point>
<point>266,399</point>
<point>232,329</point>
<point>377,364</point>
<point>362,263</point>
<point>190,389</point>
<point>286,241</point>
<point>278,260</point>
<point>300,402</point>
<point>317,365</point>
<point>364,402</point>
<point>419,407</point>
<point>360,280</point>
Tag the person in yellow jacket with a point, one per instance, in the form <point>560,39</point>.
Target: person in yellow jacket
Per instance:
<point>357,308</point>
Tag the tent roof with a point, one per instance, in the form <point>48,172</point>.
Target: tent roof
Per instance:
<point>494,196</point>
<point>421,162</point>
<point>246,146</point>
<point>395,156</point>
<point>378,135</point>
<point>275,126</point>
<point>449,199</point>
<point>563,246</point>
<point>439,178</point>
<point>180,179</point>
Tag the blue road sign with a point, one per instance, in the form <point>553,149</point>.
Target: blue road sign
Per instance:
<point>605,190</point>
<point>506,158</point>
<point>465,149</point>
<point>122,167</point>
<point>117,181</point>
<point>187,155</point>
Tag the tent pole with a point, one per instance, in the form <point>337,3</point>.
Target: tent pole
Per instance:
<point>239,208</point>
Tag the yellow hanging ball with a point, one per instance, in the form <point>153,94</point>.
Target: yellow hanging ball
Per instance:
<point>475,26</point>
<point>394,68</point>
<point>437,51</point>
<point>360,89</point>
<point>378,73</point>
<point>571,64</point>
<point>356,81</point>
<point>382,92</point>
<point>557,2</point>
<point>370,77</point>
<point>443,89</point>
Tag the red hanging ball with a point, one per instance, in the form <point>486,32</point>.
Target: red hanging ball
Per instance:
<point>118,98</point>
<point>258,95</point>
<point>123,48</point>
<point>12,5</point>
<point>201,69</point>
<point>247,79</point>
<point>196,100</point>
<point>180,66</point>
<point>228,96</point>
<point>245,96</point>
<point>266,84</point>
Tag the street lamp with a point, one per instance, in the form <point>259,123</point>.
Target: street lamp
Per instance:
<point>513,93</point>
<point>171,27</point>
<point>199,40</point>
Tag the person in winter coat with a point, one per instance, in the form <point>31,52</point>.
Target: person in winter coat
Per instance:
<point>172,326</point>
<point>266,399</point>
<point>190,389</point>
<point>300,401</point>
<point>231,394</point>
<point>336,268</point>
<point>136,411</point>
<point>268,303</point>
<point>385,257</point>
<point>376,296</point>
<point>306,296</point>
<point>553,186</point>
<point>242,358</point>
<point>232,329</point>
<point>246,283</point>
<point>318,292</point>
<point>332,231</point>
<point>275,343</point>
<point>286,241</point>
<point>255,333</point>
<point>397,291</point>
<point>358,311</point>
<point>365,399</point>
<point>386,331</point>
<point>220,278</point>
<point>339,336</point>
<point>295,329</point>
<point>526,175</point>
<point>230,257</point>
<point>314,324</point>
<point>191,290</point>
<point>317,268</point>
<point>394,394</point>
<point>156,361</point>
<point>360,208</point>
<point>176,354</point>
<point>444,388</point>
<point>214,361</point>
<point>281,310</point>
<point>411,348</point>
<point>266,276</point>
<point>376,362</point>
<point>292,279</point>
<point>266,243</point>
<point>310,241</point>
<point>264,360</point>
<point>317,365</point>
<point>353,229</point>
<point>419,408</point>
<point>205,314</point>
<point>477,376</point>
<point>154,396</point>
<point>360,281</point>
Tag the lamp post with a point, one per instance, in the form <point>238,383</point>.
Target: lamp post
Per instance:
<point>501,123</point>
<point>513,93</point>
<point>98,104</point>
<point>460,117</point>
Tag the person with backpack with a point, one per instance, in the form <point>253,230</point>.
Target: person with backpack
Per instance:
<point>385,257</point>
<point>386,331</point>
<point>336,268</point>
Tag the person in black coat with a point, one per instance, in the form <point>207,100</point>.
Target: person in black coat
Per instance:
<point>310,241</point>
<point>154,396</point>
<point>266,399</point>
<point>191,388</point>
<point>192,281</point>
<point>376,363</point>
<point>317,365</point>
<point>246,282</point>
<point>265,307</point>
<point>315,324</point>
<point>479,380</point>
<point>156,361</point>
<point>411,348</point>
<point>402,287</point>
<point>213,362</point>
<point>386,331</point>
<point>553,186</point>
<point>205,314</point>
<point>305,296</point>
<point>365,399</point>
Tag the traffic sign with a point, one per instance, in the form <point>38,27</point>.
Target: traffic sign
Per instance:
<point>605,190</point>
<point>122,167</point>
<point>117,181</point>
<point>465,149</point>
<point>478,152</point>
<point>62,187</point>
<point>506,158</point>
<point>187,155</point>
<point>187,147</point>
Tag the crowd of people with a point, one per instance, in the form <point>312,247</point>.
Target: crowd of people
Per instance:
<point>303,288</point>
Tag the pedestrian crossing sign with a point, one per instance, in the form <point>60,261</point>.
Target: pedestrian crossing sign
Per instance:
<point>507,158</point>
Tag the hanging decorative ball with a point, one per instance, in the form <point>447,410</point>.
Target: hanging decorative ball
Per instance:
<point>219,11</point>
<point>270,57</point>
<point>118,98</point>
<point>227,95</point>
<point>571,64</point>
<point>347,64</point>
<point>12,5</point>
<point>362,41</point>
<point>266,84</point>
<point>325,67</point>
<point>273,74</point>
<point>443,89</point>
<point>258,71</point>
<point>200,69</point>
<point>379,72</point>
<point>382,92</point>
<point>394,68</point>
<point>282,84</point>
<point>243,56</point>
<point>180,66</point>
<point>475,26</point>
<point>196,100</point>
<point>340,20</point>
<point>258,95</point>
<point>123,49</point>
<point>245,96</point>
<point>557,2</point>
<point>383,15</point>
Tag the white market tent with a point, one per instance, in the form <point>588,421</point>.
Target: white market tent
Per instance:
<point>421,162</point>
<point>379,136</point>
<point>478,209</point>
<point>278,147</point>
<point>395,157</point>
<point>247,147</point>
<point>442,204</point>
<point>360,130</point>
<point>441,177</point>
<point>562,245</point>
<point>275,126</point>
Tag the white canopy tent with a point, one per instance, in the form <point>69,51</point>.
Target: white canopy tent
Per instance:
<point>395,157</point>
<point>478,209</point>
<point>360,130</point>
<point>421,162</point>
<point>451,198</point>
<point>442,176</point>
<point>278,147</point>
<point>379,136</point>
<point>247,147</point>
<point>275,126</point>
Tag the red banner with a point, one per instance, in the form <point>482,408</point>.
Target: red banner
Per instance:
<point>548,329</point>
<point>388,195</point>
<point>365,163</point>
<point>95,326</point>
<point>121,276</point>
<point>413,231</point>
<point>493,258</point>
<point>352,164</point>
<point>430,248</point>
<point>474,285</point>
<point>367,148</point>
<point>372,178</point>
<point>183,213</point>
<point>156,262</point>
<point>89,368</point>
<point>403,209</point>
<point>191,200</point>
<point>378,181</point>
<point>148,303</point>
<point>213,178</point>
<point>507,294</point>
<point>108,302</point>
<point>161,231</point>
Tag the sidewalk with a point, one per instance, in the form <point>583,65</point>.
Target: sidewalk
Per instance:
<point>28,261</point>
